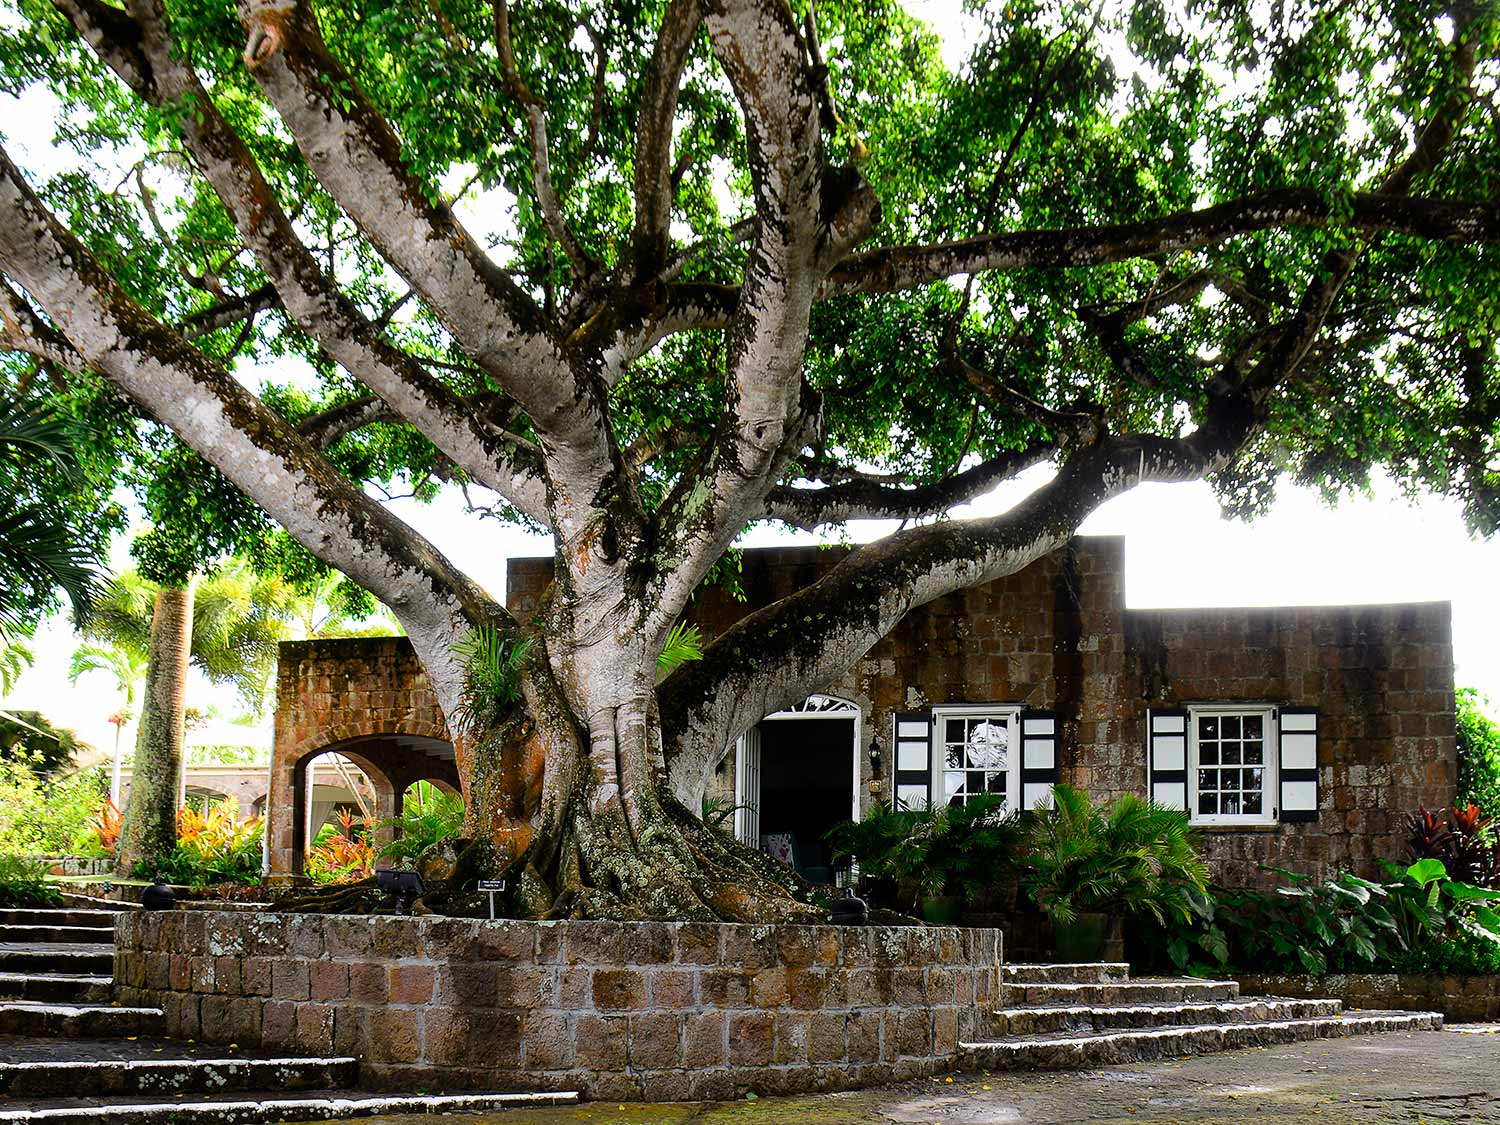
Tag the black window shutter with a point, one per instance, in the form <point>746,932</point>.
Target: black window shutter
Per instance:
<point>911,769</point>
<point>1297,762</point>
<point>1166,757</point>
<point>1039,759</point>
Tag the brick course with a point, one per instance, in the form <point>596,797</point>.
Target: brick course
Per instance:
<point>658,1021</point>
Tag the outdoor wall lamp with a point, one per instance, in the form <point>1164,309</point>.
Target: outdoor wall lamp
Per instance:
<point>876,759</point>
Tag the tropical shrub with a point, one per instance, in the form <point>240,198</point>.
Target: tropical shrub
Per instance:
<point>215,846</point>
<point>42,815</point>
<point>922,853</point>
<point>23,882</point>
<point>1345,923</point>
<point>343,854</point>
<point>1463,840</point>
<point>1478,753</point>
<point>1130,857</point>
<point>105,825</point>
<point>427,816</point>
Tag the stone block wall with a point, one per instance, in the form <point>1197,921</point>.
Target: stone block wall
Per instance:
<point>1467,999</point>
<point>1057,635</point>
<point>359,696</point>
<point>1381,678</point>
<point>618,1011</point>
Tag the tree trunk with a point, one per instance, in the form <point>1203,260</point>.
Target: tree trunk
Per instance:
<point>148,831</point>
<point>570,792</point>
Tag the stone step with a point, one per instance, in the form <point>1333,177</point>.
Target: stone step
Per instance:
<point>77,988</point>
<point>1076,1051</point>
<point>1065,972</point>
<point>56,957</point>
<point>58,917</point>
<point>243,1109</point>
<point>1166,990</point>
<point>1051,1019</point>
<point>74,901</point>
<point>31,1017</point>
<point>85,935</point>
<point>155,1077</point>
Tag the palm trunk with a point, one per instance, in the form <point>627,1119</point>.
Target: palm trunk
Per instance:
<point>115,766</point>
<point>148,831</point>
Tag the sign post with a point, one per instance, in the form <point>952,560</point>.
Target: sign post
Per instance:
<point>490,887</point>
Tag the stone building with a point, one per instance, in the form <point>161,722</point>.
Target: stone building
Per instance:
<point>1294,737</point>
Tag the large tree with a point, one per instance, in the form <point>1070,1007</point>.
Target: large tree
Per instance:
<point>649,272</point>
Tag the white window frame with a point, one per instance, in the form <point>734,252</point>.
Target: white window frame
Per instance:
<point>941,714</point>
<point>1270,769</point>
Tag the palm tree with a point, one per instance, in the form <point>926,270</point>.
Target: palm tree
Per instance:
<point>127,664</point>
<point>228,625</point>
<point>40,553</point>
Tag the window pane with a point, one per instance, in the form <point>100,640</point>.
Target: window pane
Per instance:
<point>1230,752</point>
<point>989,747</point>
<point>953,784</point>
<point>1252,804</point>
<point>1253,728</point>
<point>1254,754</point>
<point>1254,781</point>
<point>1230,806</point>
<point>954,730</point>
<point>954,756</point>
<point>1208,753</point>
<point>1229,726</point>
<point>994,782</point>
<point>1208,804</point>
<point>1208,726</point>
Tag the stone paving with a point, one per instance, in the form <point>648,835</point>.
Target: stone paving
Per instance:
<point>1421,1077</point>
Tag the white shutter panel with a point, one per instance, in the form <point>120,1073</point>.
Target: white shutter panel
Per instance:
<point>1298,763</point>
<point>912,769</point>
<point>747,788</point>
<point>1167,765</point>
<point>1039,765</point>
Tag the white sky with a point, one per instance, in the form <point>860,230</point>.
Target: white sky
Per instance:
<point>1179,552</point>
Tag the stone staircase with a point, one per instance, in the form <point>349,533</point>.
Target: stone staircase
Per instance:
<point>67,1054</point>
<point>1059,1017</point>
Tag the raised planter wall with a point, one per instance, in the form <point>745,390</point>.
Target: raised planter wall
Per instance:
<point>1460,999</point>
<point>615,1010</point>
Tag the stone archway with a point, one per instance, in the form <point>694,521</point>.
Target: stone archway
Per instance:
<point>366,699</point>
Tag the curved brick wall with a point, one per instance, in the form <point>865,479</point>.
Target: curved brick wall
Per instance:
<point>615,1010</point>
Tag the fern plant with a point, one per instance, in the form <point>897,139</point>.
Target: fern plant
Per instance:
<point>427,816</point>
<point>1128,857</point>
<point>492,662</point>
<point>684,645</point>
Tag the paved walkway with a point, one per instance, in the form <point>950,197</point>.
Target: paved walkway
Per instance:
<point>1423,1077</point>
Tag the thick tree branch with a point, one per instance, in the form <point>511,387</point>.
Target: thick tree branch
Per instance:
<point>653,146</point>
<point>860,499</point>
<point>233,310</point>
<point>308,293</point>
<point>21,330</point>
<point>257,451</point>
<point>770,659</point>
<point>804,215</point>
<point>904,267</point>
<point>356,155</point>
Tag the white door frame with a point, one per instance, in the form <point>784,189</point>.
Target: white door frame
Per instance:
<point>816,706</point>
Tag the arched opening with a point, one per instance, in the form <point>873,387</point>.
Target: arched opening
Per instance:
<point>368,779</point>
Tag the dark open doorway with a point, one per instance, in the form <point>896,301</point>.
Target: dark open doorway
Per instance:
<point>806,787</point>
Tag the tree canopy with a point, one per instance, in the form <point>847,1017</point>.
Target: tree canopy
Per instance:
<point>645,273</point>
